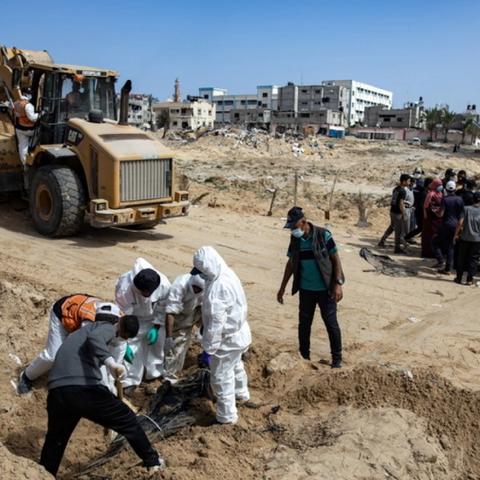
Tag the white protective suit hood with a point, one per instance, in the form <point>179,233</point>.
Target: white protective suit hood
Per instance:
<point>224,310</point>
<point>182,299</point>
<point>132,302</point>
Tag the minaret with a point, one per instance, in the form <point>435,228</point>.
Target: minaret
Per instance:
<point>177,96</point>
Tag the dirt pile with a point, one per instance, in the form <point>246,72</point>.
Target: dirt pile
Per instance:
<point>405,405</point>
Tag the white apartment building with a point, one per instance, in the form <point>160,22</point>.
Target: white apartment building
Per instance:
<point>362,95</point>
<point>266,97</point>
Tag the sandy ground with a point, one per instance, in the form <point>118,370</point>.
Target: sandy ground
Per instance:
<point>404,406</point>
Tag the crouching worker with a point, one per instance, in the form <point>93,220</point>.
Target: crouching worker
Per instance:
<point>183,313</point>
<point>143,292</point>
<point>76,391</point>
<point>66,316</point>
<point>226,333</point>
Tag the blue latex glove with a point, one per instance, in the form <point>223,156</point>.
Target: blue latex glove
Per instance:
<point>129,355</point>
<point>152,336</point>
<point>205,358</point>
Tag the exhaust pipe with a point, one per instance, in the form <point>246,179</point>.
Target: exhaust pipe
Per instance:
<point>124,97</point>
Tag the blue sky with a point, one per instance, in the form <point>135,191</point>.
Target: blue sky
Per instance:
<point>414,48</point>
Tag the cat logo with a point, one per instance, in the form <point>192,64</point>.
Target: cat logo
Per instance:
<point>74,137</point>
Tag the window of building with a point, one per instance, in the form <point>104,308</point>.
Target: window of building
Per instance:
<point>251,102</point>
<point>305,115</point>
<point>228,102</point>
<point>184,124</point>
<point>199,111</point>
<point>317,103</point>
<point>265,95</point>
<point>206,96</point>
<point>318,91</point>
<point>243,102</point>
<point>175,124</point>
<point>386,119</point>
<point>237,115</point>
<point>304,91</point>
<point>303,103</point>
<point>264,105</point>
<point>399,119</point>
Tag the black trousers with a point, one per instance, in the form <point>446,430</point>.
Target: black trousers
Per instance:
<point>67,405</point>
<point>468,255</point>
<point>328,309</point>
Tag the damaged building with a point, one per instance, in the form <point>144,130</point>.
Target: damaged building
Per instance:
<point>264,99</point>
<point>192,113</point>
<point>361,96</point>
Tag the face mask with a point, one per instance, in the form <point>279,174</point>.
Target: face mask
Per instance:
<point>203,276</point>
<point>29,97</point>
<point>297,233</point>
<point>440,188</point>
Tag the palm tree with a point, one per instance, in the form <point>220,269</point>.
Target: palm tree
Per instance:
<point>447,119</point>
<point>466,128</point>
<point>432,119</point>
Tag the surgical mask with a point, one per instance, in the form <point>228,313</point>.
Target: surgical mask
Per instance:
<point>440,188</point>
<point>29,97</point>
<point>203,276</point>
<point>297,233</point>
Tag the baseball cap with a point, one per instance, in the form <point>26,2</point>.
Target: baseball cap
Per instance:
<point>147,280</point>
<point>27,90</point>
<point>294,215</point>
<point>107,307</point>
<point>450,171</point>
<point>451,186</point>
<point>476,196</point>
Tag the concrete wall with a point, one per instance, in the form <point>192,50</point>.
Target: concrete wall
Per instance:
<point>408,134</point>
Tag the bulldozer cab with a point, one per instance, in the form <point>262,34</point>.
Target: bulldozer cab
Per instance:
<point>61,96</point>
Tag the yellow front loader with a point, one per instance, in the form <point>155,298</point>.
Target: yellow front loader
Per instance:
<point>83,163</point>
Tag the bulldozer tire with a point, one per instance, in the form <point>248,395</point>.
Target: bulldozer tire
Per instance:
<point>57,198</point>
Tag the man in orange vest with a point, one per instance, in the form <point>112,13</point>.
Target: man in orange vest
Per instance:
<point>66,316</point>
<point>25,119</point>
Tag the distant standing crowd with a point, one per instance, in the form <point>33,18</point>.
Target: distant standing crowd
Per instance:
<point>446,213</point>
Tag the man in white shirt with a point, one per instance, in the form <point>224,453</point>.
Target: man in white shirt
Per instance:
<point>25,120</point>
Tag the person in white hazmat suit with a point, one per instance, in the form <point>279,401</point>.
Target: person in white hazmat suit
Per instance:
<point>143,292</point>
<point>183,313</point>
<point>226,333</point>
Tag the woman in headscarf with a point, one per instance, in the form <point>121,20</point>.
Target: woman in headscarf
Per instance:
<point>431,222</point>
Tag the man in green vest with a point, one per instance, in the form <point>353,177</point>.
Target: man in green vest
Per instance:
<point>314,262</point>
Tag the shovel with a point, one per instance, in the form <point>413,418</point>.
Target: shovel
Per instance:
<point>111,434</point>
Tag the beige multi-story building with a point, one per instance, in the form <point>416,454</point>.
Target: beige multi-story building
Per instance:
<point>302,98</point>
<point>362,95</point>
<point>191,114</point>
<point>409,117</point>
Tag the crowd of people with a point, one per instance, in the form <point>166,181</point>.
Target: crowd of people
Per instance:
<point>92,345</point>
<point>446,213</point>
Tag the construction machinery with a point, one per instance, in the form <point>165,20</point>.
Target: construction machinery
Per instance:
<point>83,163</point>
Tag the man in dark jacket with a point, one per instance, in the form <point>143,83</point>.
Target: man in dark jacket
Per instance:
<point>76,390</point>
<point>314,262</point>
